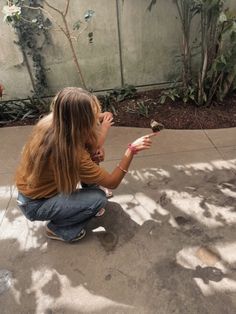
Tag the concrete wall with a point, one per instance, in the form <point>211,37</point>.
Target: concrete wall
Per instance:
<point>100,62</point>
<point>131,45</point>
<point>149,41</point>
<point>13,73</point>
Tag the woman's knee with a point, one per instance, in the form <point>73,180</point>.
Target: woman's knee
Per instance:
<point>99,199</point>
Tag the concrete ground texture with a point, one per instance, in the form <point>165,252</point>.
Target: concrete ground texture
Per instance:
<point>166,244</point>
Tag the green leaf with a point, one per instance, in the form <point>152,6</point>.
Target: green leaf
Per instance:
<point>223,60</point>
<point>77,25</point>
<point>47,23</point>
<point>90,36</point>
<point>28,115</point>
<point>88,15</point>
<point>120,98</point>
<point>162,99</point>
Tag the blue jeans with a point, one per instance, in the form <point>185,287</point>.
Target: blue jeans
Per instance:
<point>68,214</point>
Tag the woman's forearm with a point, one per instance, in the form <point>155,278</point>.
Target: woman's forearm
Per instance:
<point>114,179</point>
<point>102,137</point>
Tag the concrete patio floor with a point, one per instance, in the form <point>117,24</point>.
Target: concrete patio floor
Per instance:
<point>166,244</point>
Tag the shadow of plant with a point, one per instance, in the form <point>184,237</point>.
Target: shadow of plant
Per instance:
<point>129,265</point>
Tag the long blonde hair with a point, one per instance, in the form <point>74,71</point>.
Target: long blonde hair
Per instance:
<point>61,136</point>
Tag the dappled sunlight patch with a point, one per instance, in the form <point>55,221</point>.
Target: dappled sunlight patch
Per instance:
<point>147,176</point>
<point>28,234</point>
<point>206,166</point>
<point>209,270</point>
<point>138,175</point>
<point>191,205</point>
<point>193,256</point>
<point>146,209</point>
<point>225,285</point>
<point>228,190</point>
<point>124,198</point>
<point>224,164</point>
<point>15,212</point>
<point>227,251</point>
<point>140,207</point>
<point>199,190</point>
<point>14,192</point>
<point>5,192</point>
<point>202,166</point>
<point>149,173</point>
<point>153,173</point>
<point>132,207</point>
<point>125,181</point>
<point>54,291</point>
<point>99,229</point>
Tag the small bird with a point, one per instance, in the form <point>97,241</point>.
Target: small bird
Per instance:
<point>156,126</point>
<point>1,90</point>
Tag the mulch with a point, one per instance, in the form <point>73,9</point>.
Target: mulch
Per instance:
<point>173,114</point>
<point>176,115</point>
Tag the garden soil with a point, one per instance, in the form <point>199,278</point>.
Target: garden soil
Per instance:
<point>144,106</point>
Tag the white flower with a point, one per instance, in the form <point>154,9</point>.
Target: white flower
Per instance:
<point>222,17</point>
<point>10,11</point>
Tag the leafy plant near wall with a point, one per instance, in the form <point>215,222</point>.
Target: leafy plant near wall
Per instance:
<point>16,110</point>
<point>32,31</point>
<point>14,13</point>
<point>216,74</point>
<point>122,93</point>
<point>118,94</point>
<point>141,108</point>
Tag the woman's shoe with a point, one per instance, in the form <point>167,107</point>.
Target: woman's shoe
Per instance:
<point>51,235</point>
<point>108,192</point>
<point>100,212</point>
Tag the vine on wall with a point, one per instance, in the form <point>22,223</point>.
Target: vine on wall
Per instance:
<point>14,13</point>
<point>32,20</point>
<point>32,30</point>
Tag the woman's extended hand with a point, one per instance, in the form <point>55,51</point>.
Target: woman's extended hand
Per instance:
<point>143,142</point>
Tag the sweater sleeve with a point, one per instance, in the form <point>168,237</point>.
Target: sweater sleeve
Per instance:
<point>90,172</point>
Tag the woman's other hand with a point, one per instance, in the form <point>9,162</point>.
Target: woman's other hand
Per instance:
<point>99,155</point>
<point>107,120</point>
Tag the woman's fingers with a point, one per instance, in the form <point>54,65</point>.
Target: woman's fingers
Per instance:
<point>108,118</point>
<point>151,134</point>
<point>144,142</point>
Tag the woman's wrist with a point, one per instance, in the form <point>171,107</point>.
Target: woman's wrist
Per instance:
<point>132,149</point>
<point>122,169</point>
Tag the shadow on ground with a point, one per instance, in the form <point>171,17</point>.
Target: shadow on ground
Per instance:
<point>165,245</point>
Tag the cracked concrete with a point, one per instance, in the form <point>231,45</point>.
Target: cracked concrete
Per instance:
<point>166,243</point>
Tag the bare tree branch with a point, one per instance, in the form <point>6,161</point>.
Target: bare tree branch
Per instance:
<point>53,8</point>
<point>65,30</point>
<point>67,7</point>
<point>46,11</point>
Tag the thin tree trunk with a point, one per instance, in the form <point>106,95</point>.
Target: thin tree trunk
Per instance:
<point>28,69</point>
<point>73,52</point>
